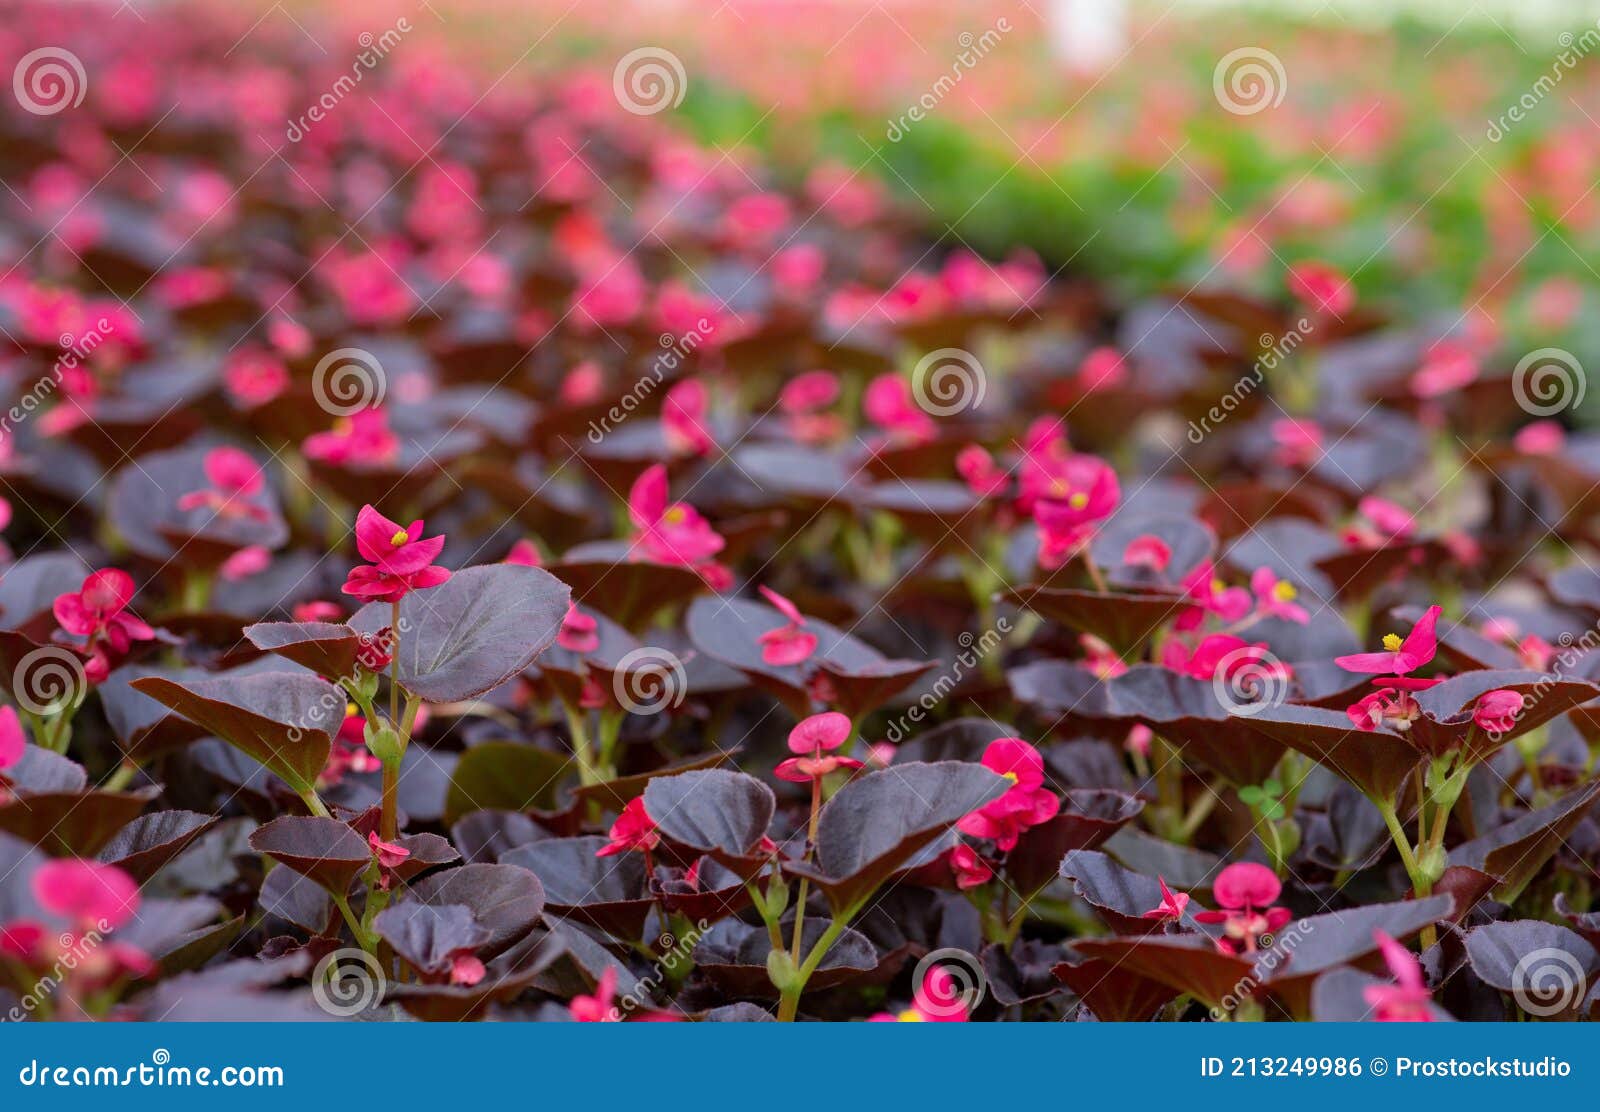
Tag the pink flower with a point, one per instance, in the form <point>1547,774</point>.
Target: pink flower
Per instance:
<point>1390,706</point>
<point>788,644</point>
<point>96,612</point>
<point>399,560</point>
<point>1406,1001</point>
<point>1219,656</point>
<point>248,561</point>
<point>389,855</point>
<point>804,400</point>
<point>970,869</point>
<point>1322,288</point>
<point>1211,596</point>
<point>1100,658</point>
<point>235,478</point>
<point>1025,804</point>
<point>86,892</point>
<point>525,554</point>
<point>978,470</point>
<point>937,1000</point>
<point>672,533</point>
<point>1138,740</point>
<point>1275,597</point>
<point>1448,366</point>
<point>578,631</point>
<point>889,405</point>
<point>1245,891</point>
<point>1399,656</point>
<point>633,830</point>
<point>1392,521</point>
<point>683,419</point>
<point>1542,438</point>
<point>1172,903</point>
<point>1299,441</point>
<point>1083,492</point>
<point>810,739</point>
<point>1147,551</point>
<point>363,439</point>
<point>318,610</point>
<point>254,377</point>
<point>466,969</point>
<point>1102,369</point>
<point>12,740</point>
<point>1496,711</point>
<point>597,1008</point>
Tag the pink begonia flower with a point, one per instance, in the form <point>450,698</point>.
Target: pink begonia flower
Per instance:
<point>583,384</point>
<point>524,553</point>
<point>1100,658</point>
<point>811,738</point>
<point>1102,369</point>
<point>938,999</point>
<point>788,644</point>
<point>683,419</point>
<point>363,438</point>
<point>970,870</point>
<point>1391,705</point>
<point>1245,892</point>
<point>318,610</point>
<point>248,561</point>
<point>466,969</point>
<point>579,631</point>
<point>97,612</point>
<point>1082,493</point>
<point>1025,804</point>
<point>389,855</point>
<point>1219,656</point>
<point>1394,521</point>
<point>1447,367</point>
<point>1408,999</point>
<point>1147,551</point>
<point>1211,596</point>
<point>809,392</point>
<point>399,559</point>
<point>1275,597</point>
<point>253,378</point>
<point>235,478</point>
<point>1322,288</point>
<point>1298,442</point>
<point>1542,438</point>
<point>796,270</point>
<point>1172,903</point>
<point>1496,711</point>
<point>978,470</point>
<point>671,533</point>
<point>1138,740</point>
<point>599,1007</point>
<point>633,830</point>
<point>86,892</point>
<point>888,403</point>
<point>1399,657</point>
<point>13,741</point>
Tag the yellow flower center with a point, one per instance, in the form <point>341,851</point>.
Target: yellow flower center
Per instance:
<point>1392,642</point>
<point>675,515</point>
<point>910,1015</point>
<point>1218,586</point>
<point>1078,501</point>
<point>344,426</point>
<point>1284,591</point>
<point>351,710</point>
<point>1012,776</point>
<point>400,537</point>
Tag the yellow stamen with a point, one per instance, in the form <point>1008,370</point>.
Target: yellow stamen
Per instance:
<point>351,710</point>
<point>1078,501</point>
<point>675,515</point>
<point>910,1015</point>
<point>1218,586</point>
<point>1392,642</point>
<point>400,537</point>
<point>1012,776</point>
<point>1284,591</point>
